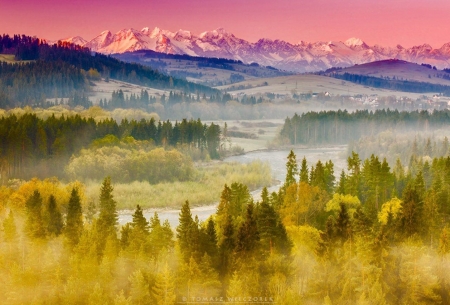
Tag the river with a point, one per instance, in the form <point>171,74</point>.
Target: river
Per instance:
<point>277,161</point>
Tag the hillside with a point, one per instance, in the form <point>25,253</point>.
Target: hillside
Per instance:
<point>307,84</point>
<point>399,70</point>
<point>202,70</point>
<point>64,70</point>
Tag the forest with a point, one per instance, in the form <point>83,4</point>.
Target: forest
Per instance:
<point>62,69</point>
<point>378,235</point>
<point>36,147</point>
<point>342,127</point>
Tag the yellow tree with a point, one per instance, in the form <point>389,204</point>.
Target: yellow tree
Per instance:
<point>302,203</point>
<point>164,289</point>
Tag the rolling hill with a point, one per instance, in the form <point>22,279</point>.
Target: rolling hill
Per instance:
<point>307,84</point>
<point>399,70</point>
<point>202,70</point>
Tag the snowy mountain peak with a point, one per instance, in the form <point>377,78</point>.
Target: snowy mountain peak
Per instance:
<point>155,32</point>
<point>75,40</point>
<point>354,42</point>
<point>182,34</point>
<point>301,57</point>
<point>217,33</point>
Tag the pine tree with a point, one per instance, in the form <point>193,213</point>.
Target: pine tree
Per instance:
<point>184,230</point>
<point>54,218</point>
<point>139,222</point>
<point>292,169</point>
<point>343,225</point>
<point>341,186</point>
<point>108,218</point>
<point>226,248</point>
<point>410,219</point>
<point>304,174</point>
<point>74,219</point>
<point>248,236</point>
<point>34,226</point>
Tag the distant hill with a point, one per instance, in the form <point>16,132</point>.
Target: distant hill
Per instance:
<point>399,70</point>
<point>396,75</point>
<point>203,70</point>
<point>64,70</point>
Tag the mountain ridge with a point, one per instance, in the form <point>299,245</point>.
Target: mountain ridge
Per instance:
<point>301,57</point>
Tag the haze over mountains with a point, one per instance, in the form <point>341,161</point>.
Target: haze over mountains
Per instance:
<point>301,57</point>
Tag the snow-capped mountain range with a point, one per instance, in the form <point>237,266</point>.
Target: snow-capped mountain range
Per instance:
<point>301,57</point>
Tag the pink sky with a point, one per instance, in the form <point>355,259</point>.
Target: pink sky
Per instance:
<point>385,22</point>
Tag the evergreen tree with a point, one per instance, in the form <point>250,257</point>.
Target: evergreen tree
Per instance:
<point>74,219</point>
<point>304,174</point>
<point>54,218</point>
<point>292,169</point>
<point>184,230</point>
<point>271,230</point>
<point>341,186</point>
<point>248,236</point>
<point>34,225</point>
<point>343,224</point>
<point>226,248</point>
<point>108,217</point>
<point>139,222</point>
<point>410,220</point>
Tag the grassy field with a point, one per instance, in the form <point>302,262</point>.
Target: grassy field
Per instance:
<point>103,89</point>
<point>204,190</point>
<point>308,83</point>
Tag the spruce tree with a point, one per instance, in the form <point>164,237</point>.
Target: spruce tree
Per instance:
<point>226,248</point>
<point>74,220</point>
<point>54,218</point>
<point>304,175</point>
<point>184,230</point>
<point>108,218</point>
<point>343,225</point>
<point>248,235</point>
<point>34,226</point>
<point>139,222</point>
<point>292,169</point>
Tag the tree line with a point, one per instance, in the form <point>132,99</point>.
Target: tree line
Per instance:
<point>31,146</point>
<point>342,127</point>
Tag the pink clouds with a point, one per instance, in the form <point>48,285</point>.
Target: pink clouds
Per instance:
<point>377,22</point>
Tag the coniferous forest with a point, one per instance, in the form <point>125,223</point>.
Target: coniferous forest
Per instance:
<point>342,127</point>
<point>32,147</point>
<point>64,69</point>
<point>377,235</point>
